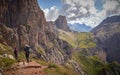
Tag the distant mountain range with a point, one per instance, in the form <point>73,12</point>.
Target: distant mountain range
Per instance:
<point>80,27</point>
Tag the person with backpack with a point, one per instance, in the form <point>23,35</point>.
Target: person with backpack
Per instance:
<point>16,53</point>
<point>27,52</point>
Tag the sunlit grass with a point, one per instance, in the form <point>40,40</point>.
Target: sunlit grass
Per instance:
<point>69,37</point>
<point>79,40</point>
<point>55,69</point>
<point>85,40</point>
<point>90,64</point>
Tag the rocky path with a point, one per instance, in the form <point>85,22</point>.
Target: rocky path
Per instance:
<point>33,68</point>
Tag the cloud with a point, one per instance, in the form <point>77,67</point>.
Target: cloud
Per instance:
<point>112,7</point>
<point>84,11</point>
<point>80,11</point>
<point>51,14</point>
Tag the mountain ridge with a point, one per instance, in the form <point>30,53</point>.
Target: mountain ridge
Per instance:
<point>107,36</point>
<point>61,23</point>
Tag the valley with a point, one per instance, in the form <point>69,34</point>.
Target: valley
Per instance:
<point>55,48</point>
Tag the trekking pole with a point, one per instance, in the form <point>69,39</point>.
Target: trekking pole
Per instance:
<point>1,72</point>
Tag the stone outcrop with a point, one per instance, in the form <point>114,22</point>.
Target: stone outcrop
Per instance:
<point>23,22</point>
<point>61,23</point>
<point>108,37</point>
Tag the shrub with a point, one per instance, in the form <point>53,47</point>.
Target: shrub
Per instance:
<point>6,63</point>
<point>51,65</point>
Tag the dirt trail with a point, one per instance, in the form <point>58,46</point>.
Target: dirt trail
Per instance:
<point>33,68</point>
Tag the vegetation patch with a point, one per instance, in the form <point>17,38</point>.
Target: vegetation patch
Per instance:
<point>81,40</point>
<point>5,63</point>
<point>85,40</point>
<point>66,36</point>
<point>4,49</point>
<point>54,69</point>
<point>52,65</point>
<point>90,64</point>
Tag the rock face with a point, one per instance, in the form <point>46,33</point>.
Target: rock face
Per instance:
<point>25,18</point>
<point>23,22</point>
<point>108,37</point>
<point>61,23</point>
<point>52,27</point>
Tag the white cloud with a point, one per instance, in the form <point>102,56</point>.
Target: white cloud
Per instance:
<point>51,14</point>
<point>71,15</point>
<point>84,11</point>
<point>112,7</point>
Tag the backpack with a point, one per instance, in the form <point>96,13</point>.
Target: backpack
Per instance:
<point>27,49</point>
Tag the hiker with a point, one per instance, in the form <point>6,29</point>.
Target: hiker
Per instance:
<point>16,53</point>
<point>27,52</point>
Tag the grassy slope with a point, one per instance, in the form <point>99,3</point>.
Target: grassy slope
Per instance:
<point>5,62</point>
<point>92,65</point>
<point>55,69</point>
<point>67,36</point>
<point>81,40</point>
<point>85,40</point>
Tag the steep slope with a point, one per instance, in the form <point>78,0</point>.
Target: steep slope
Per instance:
<point>23,22</point>
<point>107,36</point>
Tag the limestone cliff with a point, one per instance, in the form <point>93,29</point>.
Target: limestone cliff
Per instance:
<point>23,22</point>
<point>25,19</point>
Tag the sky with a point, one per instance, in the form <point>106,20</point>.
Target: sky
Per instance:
<point>89,12</point>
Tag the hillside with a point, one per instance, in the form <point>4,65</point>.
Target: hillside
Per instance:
<point>87,56</point>
<point>107,36</point>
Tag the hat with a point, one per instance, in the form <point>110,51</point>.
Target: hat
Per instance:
<point>27,45</point>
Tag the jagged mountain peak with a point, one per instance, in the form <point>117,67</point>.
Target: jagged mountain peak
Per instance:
<point>61,23</point>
